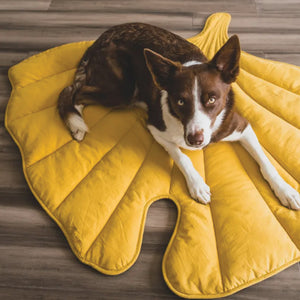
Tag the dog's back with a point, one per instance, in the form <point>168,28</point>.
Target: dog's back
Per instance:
<point>113,71</point>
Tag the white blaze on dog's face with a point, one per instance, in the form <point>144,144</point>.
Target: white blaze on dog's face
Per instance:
<point>197,93</point>
<point>198,129</point>
<point>199,101</point>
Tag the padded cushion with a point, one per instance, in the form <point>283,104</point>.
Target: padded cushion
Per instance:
<point>98,191</point>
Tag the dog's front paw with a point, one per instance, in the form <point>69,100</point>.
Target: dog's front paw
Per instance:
<point>287,195</point>
<point>198,189</point>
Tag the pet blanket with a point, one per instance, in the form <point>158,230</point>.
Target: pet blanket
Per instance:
<point>98,191</point>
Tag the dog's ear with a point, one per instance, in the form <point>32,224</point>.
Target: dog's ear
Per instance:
<point>227,59</point>
<point>161,68</point>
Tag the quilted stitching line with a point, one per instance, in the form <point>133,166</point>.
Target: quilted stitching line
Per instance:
<point>114,210</point>
<point>141,231</point>
<point>36,56</point>
<point>96,164</point>
<point>282,163</point>
<point>18,87</point>
<point>41,54</point>
<point>32,113</point>
<point>213,222</point>
<point>256,187</point>
<point>69,141</point>
<point>171,176</point>
<point>215,232</point>
<point>269,82</point>
<point>283,86</point>
<point>21,87</point>
<point>261,105</point>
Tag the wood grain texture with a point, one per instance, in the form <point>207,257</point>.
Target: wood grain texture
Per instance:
<point>36,261</point>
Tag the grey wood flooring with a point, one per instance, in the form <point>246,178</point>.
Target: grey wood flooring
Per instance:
<point>35,259</point>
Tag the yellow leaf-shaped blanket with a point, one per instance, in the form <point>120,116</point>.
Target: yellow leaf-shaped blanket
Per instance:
<point>98,191</point>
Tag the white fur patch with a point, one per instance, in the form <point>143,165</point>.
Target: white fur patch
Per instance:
<point>234,136</point>
<point>79,108</point>
<point>219,120</point>
<point>192,63</point>
<point>174,129</point>
<point>200,120</point>
<point>77,126</point>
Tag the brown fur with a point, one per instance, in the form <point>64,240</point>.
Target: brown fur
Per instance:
<point>211,84</point>
<point>148,59</point>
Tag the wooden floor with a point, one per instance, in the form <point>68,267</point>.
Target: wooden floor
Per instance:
<point>35,259</point>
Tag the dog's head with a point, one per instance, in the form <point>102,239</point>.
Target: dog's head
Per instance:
<point>197,94</point>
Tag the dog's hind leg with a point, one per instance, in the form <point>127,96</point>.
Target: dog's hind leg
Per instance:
<point>69,112</point>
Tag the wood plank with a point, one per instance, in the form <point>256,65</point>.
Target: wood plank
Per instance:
<point>24,5</point>
<point>91,19</point>
<point>269,42</point>
<point>57,270</point>
<point>4,91</point>
<point>291,58</point>
<point>258,24</point>
<point>279,34</point>
<point>11,57</point>
<point>11,175</point>
<point>40,39</point>
<point>288,8</point>
<point>169,6</point>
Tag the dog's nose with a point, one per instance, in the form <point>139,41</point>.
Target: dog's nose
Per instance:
<point>196,138</point>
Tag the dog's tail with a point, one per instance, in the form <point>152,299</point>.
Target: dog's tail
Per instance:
<point>70,113</point>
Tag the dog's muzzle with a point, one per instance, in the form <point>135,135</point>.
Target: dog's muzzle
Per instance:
<point>195,139</point>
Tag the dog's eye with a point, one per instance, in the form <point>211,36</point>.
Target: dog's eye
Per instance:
<point>180,102</point>
<point>212,100</point>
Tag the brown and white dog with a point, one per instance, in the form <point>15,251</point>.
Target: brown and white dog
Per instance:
<point>188,98</point>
